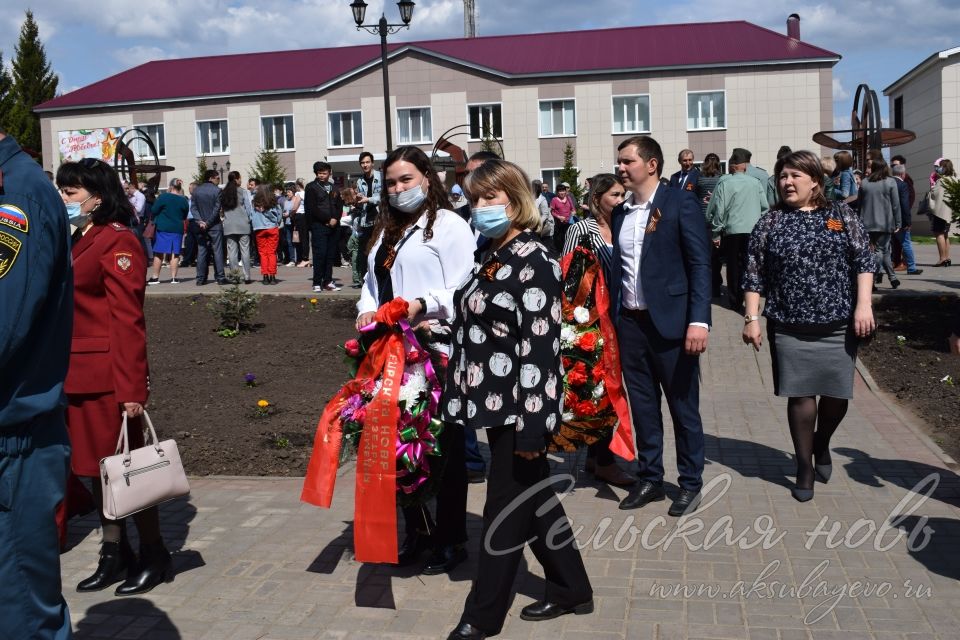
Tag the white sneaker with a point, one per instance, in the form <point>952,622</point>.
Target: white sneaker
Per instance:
<point>317,288</point>
<point>153,281</point>
<point>331,287</point>
<point>174,281</point>
<point>291,264</point>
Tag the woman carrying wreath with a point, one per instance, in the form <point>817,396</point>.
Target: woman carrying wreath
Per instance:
<point>594,234</point>
<point>421,251</point>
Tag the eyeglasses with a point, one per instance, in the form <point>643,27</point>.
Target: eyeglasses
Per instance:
<point>89,163</point>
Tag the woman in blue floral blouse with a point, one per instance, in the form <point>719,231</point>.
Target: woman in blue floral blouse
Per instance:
<point>812,261</point>
<point>505,376</point>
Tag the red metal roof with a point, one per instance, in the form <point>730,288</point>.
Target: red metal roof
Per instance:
<point>573,52</point>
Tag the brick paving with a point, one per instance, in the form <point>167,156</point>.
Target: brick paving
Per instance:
<point>253,562</point>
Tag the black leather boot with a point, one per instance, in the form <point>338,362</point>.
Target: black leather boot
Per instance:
<point>155,567</point>
<point>116,561</point>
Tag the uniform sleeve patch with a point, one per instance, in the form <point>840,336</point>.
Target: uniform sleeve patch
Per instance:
<point>9,250</point>
<point>122,261</point>
<point>13,217</point>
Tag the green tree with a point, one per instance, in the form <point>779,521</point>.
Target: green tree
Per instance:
<point>570,174</point>
<point>201,169</point>
<point>267,168</point>
<point>6,94</point>
<point>489,143</point>
<point>33,82</point>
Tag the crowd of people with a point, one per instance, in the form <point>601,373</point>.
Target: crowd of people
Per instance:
<point>477,270</point>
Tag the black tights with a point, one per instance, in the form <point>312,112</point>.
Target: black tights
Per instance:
<point>147,521</point>
<point>812,424</point>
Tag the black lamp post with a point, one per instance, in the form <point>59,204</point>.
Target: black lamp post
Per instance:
<point>220,169</point>
<point>381,28</point>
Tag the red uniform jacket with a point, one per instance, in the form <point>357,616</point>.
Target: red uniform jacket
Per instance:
<point>109,348</point>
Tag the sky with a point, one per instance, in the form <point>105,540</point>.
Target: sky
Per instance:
<point>878,40</point>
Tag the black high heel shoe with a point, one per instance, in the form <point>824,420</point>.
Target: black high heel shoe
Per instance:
<point>116,562</point>
<point>156,566</point>
<point>944,263</point>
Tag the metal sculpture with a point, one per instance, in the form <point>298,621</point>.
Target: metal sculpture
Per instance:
<point>866,130</point>
<point>130,167</point>
<point>457,156</point>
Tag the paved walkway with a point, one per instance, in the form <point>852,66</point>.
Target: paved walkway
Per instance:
<point>253,562</point>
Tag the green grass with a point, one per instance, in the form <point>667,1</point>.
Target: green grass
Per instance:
<point>931,240</point>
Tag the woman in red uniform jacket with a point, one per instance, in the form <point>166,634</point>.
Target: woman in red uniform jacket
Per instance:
<point>108,362</point>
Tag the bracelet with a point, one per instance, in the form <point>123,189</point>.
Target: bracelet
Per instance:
<point>423,304</point>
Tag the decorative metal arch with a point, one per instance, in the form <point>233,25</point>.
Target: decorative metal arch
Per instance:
<point>866,130</point>
<point>457,158</point>
<point>126,164</point>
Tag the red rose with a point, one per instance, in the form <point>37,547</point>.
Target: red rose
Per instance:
<point>586,409</point>
<point>580,368</point>
<point>352,347</point>
<point>588,341</point>
<point>567,362</point>
<point>597,372</point>
<point>570,399</point>
<point>576,378</point>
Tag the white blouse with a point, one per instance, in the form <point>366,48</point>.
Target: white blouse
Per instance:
<point>431,269</point>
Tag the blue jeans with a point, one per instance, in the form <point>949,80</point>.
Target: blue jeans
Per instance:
<point>904,237</point>
<point>34,459</point>
<point>291,248</point>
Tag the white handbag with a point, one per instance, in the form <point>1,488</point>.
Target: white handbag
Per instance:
<point>136,480</point>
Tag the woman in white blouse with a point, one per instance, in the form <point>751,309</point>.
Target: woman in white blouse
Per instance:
<point>421,251</point>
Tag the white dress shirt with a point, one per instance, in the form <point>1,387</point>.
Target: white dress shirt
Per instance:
<point>431,269</point>
<point>631,244</point>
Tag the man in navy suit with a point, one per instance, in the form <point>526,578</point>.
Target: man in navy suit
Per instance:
<point>686,178</point>
<point>660,301</point>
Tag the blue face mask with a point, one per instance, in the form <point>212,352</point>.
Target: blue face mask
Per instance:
<point>490,221</point>
<point>75,213</point>
<point>408,201</point>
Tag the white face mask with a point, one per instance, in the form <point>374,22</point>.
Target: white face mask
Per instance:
<point>410,200</point>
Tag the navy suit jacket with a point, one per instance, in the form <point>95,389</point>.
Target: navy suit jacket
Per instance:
<point>691,184</point>
<point>674,264</point>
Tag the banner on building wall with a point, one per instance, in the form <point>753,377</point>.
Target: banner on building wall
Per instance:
<point>89,143</point>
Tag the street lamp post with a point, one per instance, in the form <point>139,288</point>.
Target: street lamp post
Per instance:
<point>382,28</point>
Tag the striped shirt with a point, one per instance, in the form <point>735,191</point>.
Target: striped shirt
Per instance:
<point>589,229</point>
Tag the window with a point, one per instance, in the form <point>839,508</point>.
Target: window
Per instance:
<point>898,112</point>
<point>551,177</point>
<point>413,125</point>
<point>345,129</point>
<point>212,137</point>
<point>557,118</point>
<point>631,114</point>
<point>277,133</point>
<point>485,121</point>
<point>706,110</point>
<point>155,133</point>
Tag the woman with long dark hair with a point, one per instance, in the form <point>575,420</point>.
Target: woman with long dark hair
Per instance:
<point>710,172</point>
<point>421,251</point>
<point>237,212</point>
<point>107,376</point>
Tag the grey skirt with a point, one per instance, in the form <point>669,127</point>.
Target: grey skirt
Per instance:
<point>812,360</point>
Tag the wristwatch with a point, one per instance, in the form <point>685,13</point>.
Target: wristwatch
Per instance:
<point>747,319</point>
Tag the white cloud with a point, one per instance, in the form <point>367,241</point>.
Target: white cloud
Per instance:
<point>137,55</point>
<point>840,93</point>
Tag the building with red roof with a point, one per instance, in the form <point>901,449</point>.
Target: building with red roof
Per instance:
<point>703,86</point>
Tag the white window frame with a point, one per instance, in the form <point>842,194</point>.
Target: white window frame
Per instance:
<point>556,181</point>
<point>576,125</point>
<point>484,104</point>
<point>687,108</point>
<point>613,114</point>
<point>163,126</point>
<point>354,144</point>
<point>293,123</point>
<point>200,151</point>
<point>414,142</point>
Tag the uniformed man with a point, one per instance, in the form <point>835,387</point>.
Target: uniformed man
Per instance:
<point>36,312</point>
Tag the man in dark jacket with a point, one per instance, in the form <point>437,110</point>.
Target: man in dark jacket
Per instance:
<point>322,208</point>
<point>205,207</point>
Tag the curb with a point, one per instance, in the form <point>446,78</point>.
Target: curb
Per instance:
<point>912,422</point>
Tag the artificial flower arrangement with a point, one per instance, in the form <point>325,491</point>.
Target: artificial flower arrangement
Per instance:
<point>593,398</point>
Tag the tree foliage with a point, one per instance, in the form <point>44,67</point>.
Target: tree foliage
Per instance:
<point>233,306</point>
<point>489,143</point>
<point>570,174</point>
<point>6,94</point>
<point>267,168</point>
<point>201,170</point>
<point>33,82</point>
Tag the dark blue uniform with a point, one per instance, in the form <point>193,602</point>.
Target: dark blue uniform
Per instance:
<point>36,314</point>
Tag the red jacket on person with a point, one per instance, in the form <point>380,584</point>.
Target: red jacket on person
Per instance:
<point>109,348</point>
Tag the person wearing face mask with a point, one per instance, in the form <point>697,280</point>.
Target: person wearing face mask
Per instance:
<point>421,251</point>
<point>505,376</point>
<point>108,363</point>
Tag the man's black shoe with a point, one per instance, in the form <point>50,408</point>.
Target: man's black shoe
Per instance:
<point>412,548</point>
<point>686,502</point>
<point>466,631</point>
<point>476,477</point>
<point>542,610</point>
<point>642,495</point>
<point>201,283</point>
<point>222,282</point>
<point>444,560</point>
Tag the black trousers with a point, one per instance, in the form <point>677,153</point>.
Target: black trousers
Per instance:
<point>451,520</point>
<point>501,548</point>
<point>734,248</point>
<point>303,230</point>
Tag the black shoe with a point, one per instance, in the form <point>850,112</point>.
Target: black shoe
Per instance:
<point>222,282</point>
<point>412,548</point>
<point>542,610</point>
<point>444,560</point>
<point>894,283</point>
<point>155,567</point>
<point>877,278</point>
<point>823,472</point>
<point>915,272</point>
<point>248,282</point>
<point>201,283</point>
<point>476,477</point>
<point>642,495</point>
<point>465,631</point>
<point>802,495</point>
<point>686,502</point>
<point>266,280</point>
<point>943,263</point>
<point>116,561</point>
